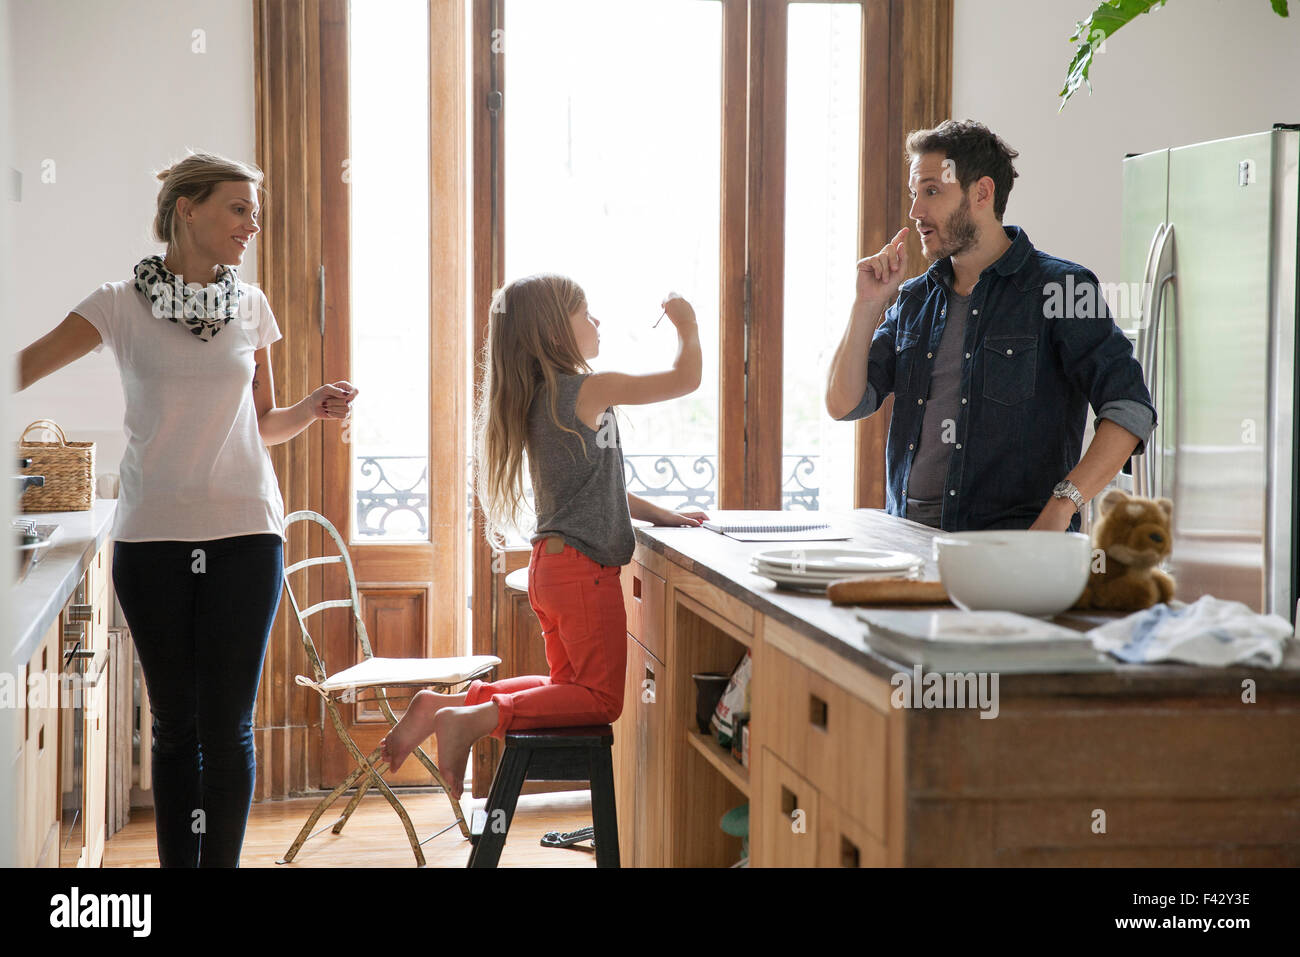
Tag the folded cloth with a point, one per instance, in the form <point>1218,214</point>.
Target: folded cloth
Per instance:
<point>1209,631</point>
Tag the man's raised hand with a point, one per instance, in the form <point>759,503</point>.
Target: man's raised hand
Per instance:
<point>879,276</point>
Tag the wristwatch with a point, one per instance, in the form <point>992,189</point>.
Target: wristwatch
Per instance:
<point>1066,489</point>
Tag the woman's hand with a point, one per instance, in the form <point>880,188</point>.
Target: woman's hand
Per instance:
<point>333,401</point>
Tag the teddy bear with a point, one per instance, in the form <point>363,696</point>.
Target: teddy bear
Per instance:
<point>1136,535</point>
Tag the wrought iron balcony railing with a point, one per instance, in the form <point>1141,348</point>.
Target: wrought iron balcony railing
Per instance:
<point>674,480</point>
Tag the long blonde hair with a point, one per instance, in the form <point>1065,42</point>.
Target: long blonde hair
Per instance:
<point>194,178</point>
<point>530,340</point>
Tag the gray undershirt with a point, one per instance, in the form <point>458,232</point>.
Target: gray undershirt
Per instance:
<point>925,483</point>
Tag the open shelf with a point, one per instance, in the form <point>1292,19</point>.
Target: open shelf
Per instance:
<point>721,759</point>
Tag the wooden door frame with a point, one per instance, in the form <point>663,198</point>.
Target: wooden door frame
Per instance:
<point>288,94</point>
<point>488,245</point>
<point>916,68</point>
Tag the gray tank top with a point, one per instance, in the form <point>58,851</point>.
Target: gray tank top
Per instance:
<point>579,495</point>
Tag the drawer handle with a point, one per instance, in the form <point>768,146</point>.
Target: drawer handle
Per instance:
<point>849,855</point>
<point>636,587</point>
<point>818,712</point>
<point>78,613</point>
<point>789,801</point>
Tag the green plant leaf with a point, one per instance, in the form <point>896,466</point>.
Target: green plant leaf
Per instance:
<point>1108,17</point>
<point>1091,33</point>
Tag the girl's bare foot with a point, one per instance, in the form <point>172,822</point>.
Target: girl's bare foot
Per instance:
<point>415,726</point>
<point>457,729</point>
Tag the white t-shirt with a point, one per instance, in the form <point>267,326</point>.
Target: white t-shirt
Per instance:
<point>195,467</point>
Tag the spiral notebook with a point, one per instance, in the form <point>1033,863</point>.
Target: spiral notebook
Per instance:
<point>776,531</point>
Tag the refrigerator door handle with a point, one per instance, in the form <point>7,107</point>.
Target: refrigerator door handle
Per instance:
<point>1165,273</point>
<point>1144,338</point>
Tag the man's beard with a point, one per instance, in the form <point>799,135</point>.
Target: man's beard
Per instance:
<point>958,233</point>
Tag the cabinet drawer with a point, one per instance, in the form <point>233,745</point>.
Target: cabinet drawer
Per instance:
<point>836,740</point>
<point>643,595</point>
<point>102,570</point>
<point>40,815</point>
<point>789,816</point>
<point>844,842</point>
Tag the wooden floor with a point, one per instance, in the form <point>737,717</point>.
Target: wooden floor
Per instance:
<point>374,836</point>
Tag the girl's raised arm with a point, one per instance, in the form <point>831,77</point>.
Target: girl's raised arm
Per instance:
<point>600,390</point>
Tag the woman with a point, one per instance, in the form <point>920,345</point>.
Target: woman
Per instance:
<point>199,529</point>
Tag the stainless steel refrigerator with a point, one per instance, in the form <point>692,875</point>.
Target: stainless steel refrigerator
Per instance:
<point>1209,266</point>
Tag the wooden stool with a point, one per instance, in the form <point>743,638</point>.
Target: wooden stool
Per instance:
<point>550,754</point>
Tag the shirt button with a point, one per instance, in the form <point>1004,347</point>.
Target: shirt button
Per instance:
<point>920,401</point>
<point>968,355</point>
<point>952,491</point>
<point>974,312</point>
<point>958,445</point>
<point>910,446</point>
<point>1008,352</point>
<point>963,401</point>
<point>929,355</point>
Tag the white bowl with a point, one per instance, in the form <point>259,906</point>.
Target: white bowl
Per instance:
<point>1038,573</point>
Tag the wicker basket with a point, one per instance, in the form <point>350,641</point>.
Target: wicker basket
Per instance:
<point>68,467</point>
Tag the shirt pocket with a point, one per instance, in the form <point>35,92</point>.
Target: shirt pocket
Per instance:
<point>1010,368</point>
<point>907,377</point>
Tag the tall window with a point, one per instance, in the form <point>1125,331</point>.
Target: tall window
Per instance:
<point>612,176</point>
<point>823,122</point>
<point>389,175</point>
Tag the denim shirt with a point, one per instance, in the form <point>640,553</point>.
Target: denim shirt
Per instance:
<point>1040,348</point>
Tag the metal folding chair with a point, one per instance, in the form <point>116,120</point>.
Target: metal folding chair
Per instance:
<point>375,675</point>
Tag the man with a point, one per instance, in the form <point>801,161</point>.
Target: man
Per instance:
<point>993,356</point>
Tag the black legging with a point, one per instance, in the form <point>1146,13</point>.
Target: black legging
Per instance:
<point>200,614</point>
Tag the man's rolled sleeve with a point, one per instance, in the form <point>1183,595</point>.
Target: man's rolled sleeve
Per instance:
<point>880,366</point>
<point>1099,360</point>
<point>1132,416</point>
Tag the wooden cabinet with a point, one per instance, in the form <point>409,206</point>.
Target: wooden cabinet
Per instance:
<point>785,816</point>
<point>821,730</point>
<point>639,741</point>
<point>37,758</point>
<point>94,807</point>
<point>643,594</point>
<point>640,733</point>
<point>44,761</point>
<point>843,842</point>
<point>819,775</point>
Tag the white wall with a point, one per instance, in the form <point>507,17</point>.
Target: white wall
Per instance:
<point>110,91</point>
<point>1191,71</point>
<point>8,716</point>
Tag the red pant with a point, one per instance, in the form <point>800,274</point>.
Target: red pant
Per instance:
<point>580,606</point>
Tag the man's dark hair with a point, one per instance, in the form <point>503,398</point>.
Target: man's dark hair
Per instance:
<point>976,152</point>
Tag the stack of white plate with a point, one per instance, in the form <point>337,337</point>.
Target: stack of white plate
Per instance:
<point>815,568</point>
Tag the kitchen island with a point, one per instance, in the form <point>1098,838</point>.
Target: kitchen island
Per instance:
<point>1162,765</point>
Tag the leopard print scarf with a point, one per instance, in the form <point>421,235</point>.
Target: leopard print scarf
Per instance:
<point>204,311</point>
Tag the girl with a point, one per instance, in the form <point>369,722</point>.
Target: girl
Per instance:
<point>540,396</point>
<point>198,560</point>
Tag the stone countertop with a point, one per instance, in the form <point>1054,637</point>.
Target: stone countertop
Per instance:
<point>36,601</point>
<point>724,563</point>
